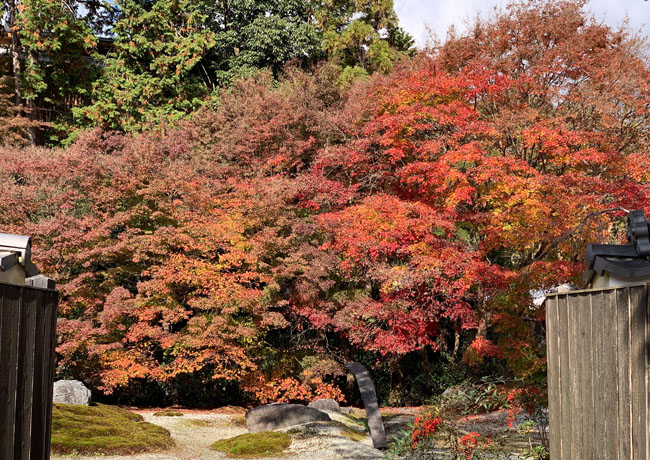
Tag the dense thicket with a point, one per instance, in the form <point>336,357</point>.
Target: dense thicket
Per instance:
<point>402,221</point>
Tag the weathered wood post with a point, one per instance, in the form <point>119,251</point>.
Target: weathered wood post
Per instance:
<point>597,350</point>
<point>28,304</point>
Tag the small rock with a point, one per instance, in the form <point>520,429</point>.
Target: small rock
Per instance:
<point>456,397</point>
<point>71,392</point>
<point>328,405</point>
<point>280,415</point>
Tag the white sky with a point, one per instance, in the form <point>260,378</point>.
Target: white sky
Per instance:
<point>414,15</point>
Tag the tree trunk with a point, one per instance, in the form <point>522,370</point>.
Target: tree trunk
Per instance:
<point>32,109</point>
<point>456,345</point>
<point>396,394</point>
<point>15,50</point>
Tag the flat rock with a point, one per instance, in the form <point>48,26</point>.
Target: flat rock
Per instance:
<point>280,415</point>
<point>326,404</point>
<point>71,392</point>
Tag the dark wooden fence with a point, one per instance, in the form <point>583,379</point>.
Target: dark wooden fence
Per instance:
<point>597,348</point>
<point>27,340</point>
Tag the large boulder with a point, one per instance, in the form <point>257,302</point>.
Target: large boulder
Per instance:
<point>280,415</point>
<point>327,405</point>
<point>71,392</point>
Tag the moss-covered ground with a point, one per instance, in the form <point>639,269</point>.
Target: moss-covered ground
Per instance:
<point>254,445</point>
<point>104,430</point>
<point>168,413</point>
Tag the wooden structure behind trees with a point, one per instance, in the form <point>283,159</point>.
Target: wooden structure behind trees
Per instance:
<point>597,342</point>
<point>27,342</point>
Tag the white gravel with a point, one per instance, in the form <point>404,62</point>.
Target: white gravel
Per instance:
<point>316,441</point>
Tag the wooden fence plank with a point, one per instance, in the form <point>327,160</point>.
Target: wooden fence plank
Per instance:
<point>638,371</point>
<point>586,365</point>
<point>610,381</point>
<point>29,300</point>
<point>575,377</point>
<point>7,345</point>
<point>565,372</point>
<point>52,303</point>
<point>8,367</point>
<point>37,434</point>
<point>20,384</point>
<point>623,373</point>
<point>554,408</point>
<point>598,329</point>
<point>645,294</point>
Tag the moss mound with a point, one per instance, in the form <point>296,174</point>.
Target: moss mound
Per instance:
<point>104,430</point>
<point>254,445</point>
<point>168,413</point>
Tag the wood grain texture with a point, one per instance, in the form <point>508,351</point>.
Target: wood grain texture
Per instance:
<point>597,353</point>
<point>554,407</point>
<point>27,340</point>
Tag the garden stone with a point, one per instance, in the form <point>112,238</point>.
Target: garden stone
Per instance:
<point>328,405</point>
<point>71,392</point>
<point>456,397</point>
<point>369,397</point>
<point>280,415</point>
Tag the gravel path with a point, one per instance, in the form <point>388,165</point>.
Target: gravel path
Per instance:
<point>194,432</point>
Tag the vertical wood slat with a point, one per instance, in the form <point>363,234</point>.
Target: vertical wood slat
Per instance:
<point>637,370</point>
<point>29,302</point>
<point>586,366</point>
<point>554,407</point>
<point>27,339</point>
<point>37,427</point>
<point>645,296</point>
<point>598,329</point>
<point>48,380</point>
<point>624,413</point>
<point>598,346</point>
<point>565,389</point>
<point>20,381</point>
<point>9,367</point>
<point>574,378</point>
<point>6,390</point>
<point>609,382</point>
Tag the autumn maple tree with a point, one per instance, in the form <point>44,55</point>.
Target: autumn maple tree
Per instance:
<point>402,220</point>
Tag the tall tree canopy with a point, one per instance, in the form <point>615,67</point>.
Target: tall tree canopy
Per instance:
<point>169,57</point>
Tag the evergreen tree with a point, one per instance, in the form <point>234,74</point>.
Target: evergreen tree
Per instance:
<point>149,76</point>
<point>50,42</point>
<point>170,56</point>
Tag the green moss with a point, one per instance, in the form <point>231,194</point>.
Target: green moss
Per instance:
<point>254,445</point>
<point>199,423</point>
<point>168,413</point>
<point>104,430</point>
<point>348,432</point>
<point>353,435</point>
<point>238,421</point>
